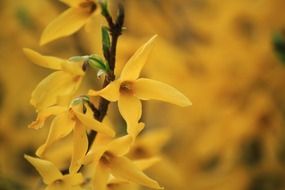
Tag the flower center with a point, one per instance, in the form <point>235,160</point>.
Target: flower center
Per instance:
<point>106,158</point>
<point>58,182</point>
<point>126,87</point>
<point>88,5</point>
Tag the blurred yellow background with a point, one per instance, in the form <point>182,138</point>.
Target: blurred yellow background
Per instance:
<point>219,53</point>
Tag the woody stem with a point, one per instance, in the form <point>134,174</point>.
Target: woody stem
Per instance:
<point>115,31</point>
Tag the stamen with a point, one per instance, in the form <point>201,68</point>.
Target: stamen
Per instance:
<point>126,88</point>
<point>89,5</point>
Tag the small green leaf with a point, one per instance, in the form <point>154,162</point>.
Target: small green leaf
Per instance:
<point>104,7</point>
<point>279,46</point>
<point>105,40</point>
<point>80,100</point>
<point>78,58</point>
<point>76,101</point>
<point>97,62</point>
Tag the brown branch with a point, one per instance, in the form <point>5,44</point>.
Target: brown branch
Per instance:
<point>115,31</point>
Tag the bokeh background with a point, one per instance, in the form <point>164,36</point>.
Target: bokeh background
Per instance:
<point>220,53</point>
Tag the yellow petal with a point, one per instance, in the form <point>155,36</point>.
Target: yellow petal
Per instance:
<point>144,164</point>
<point>74,68</point>
<point>80,146</point>
<point>61,126</point>
<point>93,124</point>
<point>110,92</point>
<point>146,89</point>
<point>133,67</point>
<point>134,131</point>
<point>95,154</point>
<point>72,3</point>
<point>53,86</point>
<point>101,177</point>
<point>73,179</point>
<point>120,146</point>
<point>44,114</point>
<point>65,24</point>
<point>154,140</point>
<point>46,169</point>
<point>131,109</point>
<point>43,61</point>
<point>124,168</point>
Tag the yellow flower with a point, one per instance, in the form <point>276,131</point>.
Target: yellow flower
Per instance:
<point>71,20</point>
<point>108,158</point>
<point>53,178</point>
<point>128,89</point>
<point>66,121</point>
<point>149,144</point>
<point>58,86</point>
<point>142,164</point>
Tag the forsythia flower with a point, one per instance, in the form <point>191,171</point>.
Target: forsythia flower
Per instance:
<point>53,178</point>
<point>66,121</point>
<point>59,85</point>
<point>71,20</point>
<point>109,158</point>
<point>142,164</point>
<point>128,90</point>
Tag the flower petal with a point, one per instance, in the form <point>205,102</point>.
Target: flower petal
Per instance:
<point>130,108</point>
<point>43,61</point>
<point>46,169</point>
<point>133,67</point>
<point>72,3</point>
<point>93,124</point>
<point>74,68</point>
<point>124,168</point>
<point>153,141</point>
<point>44,114</point>
<point>73,179</point>
<point>144,164</point>
<point>101,177</point>
<point>65,24</point>
<point>52,87</point>
<point>120,146</point>
<point>61,126</point>
<point>80,146</point>
<point>146,89</point>
<point>110,92</point>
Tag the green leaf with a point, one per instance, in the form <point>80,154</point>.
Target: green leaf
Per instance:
<point>105,39</point>
<point>80,100</point>
<point>76,101</point>
<point>104,7</point>
<point>78,58</point>
<point>279,46</point>
<point>97,62</point>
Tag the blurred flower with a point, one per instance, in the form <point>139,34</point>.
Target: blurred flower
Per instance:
<point>58,86</point>
<point>71,20</point>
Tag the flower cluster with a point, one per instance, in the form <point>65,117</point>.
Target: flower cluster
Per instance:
<point>96,147</point>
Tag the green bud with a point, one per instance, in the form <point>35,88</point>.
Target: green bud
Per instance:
<point>100,73</point>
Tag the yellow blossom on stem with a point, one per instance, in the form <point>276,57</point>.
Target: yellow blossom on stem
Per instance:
<point>53,178</point>
<point>66,121</point>
<point>128,89</point>
<point>109,158</point>
<point>71,20</point>
<point>58,86</point>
